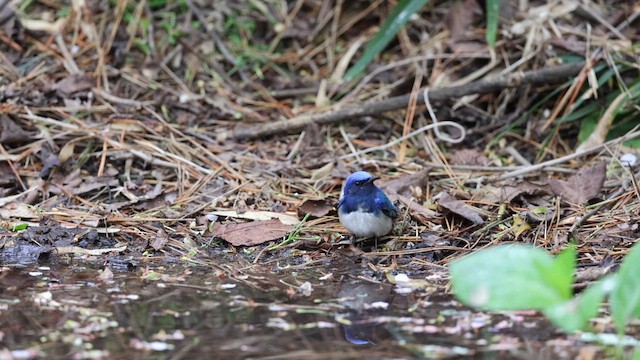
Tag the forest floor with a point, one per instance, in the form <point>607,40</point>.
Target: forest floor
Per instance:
<point>155,141</point>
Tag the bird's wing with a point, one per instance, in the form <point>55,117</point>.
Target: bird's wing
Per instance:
<point>385,205</point>
<point>340,202</point>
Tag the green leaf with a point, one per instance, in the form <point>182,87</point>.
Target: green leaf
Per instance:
<point>625,299</point>
<point>493,12</point>
<point>20,227</point>
<point>573,315</point>
<point>396,19</point>
<point>513,277</point>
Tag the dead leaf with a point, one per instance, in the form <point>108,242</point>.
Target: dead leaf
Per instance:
<point>42,25</point>
<point>405,284</point>
<point>582,186</point>
<point>159,240</point>
<point>11,133</point>
<point>315,208</point>
<point>417,211</point>
<point>460,18</point>
<point>74,84</point>
<point>259,215</point>
<point>519,226</point>
<point>106,274</point>
<point>23,253</point>
<point>508,193</point>
<point>7,20</point>
<point>539,213</point>
<point>470,157</point>
<point>17,210</point>
<point>252,233</point>
<point>75,183</point>
<point>402,185</point>
<point>82,251</point>
<point>401,189</point>
<point>67,151</point>
<point>458,207</point>
<point>50,162</point>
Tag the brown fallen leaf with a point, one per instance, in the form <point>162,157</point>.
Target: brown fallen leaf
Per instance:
<point>73,84</point>
<point>17,210</point>
<point>76,183</point>
<point>315,208</point>
<point>106,274</point>
<point>460,18</point>
<point>458,207</point>
<point>50,162</point>
<point>582,186</point>
<point>402,185</point>
<point>420,213</point>
<point>508,193</point>
<point>159,240</point>
<point>252,233</point>
<point>399,189</point>
<point>11,133</point>
<point>471,157</point>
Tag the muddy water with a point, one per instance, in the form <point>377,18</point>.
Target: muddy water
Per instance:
<point>181,311</point>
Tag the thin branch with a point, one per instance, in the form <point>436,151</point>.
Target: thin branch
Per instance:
<point>537,77</point>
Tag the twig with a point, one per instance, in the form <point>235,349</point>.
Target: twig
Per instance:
<point>528,169</point>
<point>595,210</point>
<point>538,77</point>
<point>13,168</point>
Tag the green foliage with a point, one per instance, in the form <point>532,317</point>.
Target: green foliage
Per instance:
<point>625,299</point>
<point>142,46</point>
<point>626,114</point>
<point>293,235</point>
<point>516,277</point>
<point>20,227</point>
<point>63,12</point>
<point>170,26</point>
<point>167,22</point>
<point>493,12</point>
<point>239,30</point>
<point>398,17</point>
<point>161,4</point>
<point>575,313</point>
<point>513,277</point>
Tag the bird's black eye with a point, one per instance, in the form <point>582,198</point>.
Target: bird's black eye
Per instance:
<point>358,183</point>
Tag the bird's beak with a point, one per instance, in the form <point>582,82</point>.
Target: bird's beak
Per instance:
<point>373,178</point>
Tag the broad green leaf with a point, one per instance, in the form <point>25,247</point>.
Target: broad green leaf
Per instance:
<point>513,277</point>
<point>625,299</point>
<point>566,260</point>
<point>399,16</point>
<point>573,315</point>
<point>493,12</point>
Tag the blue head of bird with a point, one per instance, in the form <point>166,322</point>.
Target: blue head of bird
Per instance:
<point>360,183</point>
<point>364,209</point>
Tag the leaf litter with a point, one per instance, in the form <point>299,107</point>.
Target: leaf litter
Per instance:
<point>116,154</point>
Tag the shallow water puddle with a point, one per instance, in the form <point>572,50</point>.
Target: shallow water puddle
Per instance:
<point>179,311</point>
